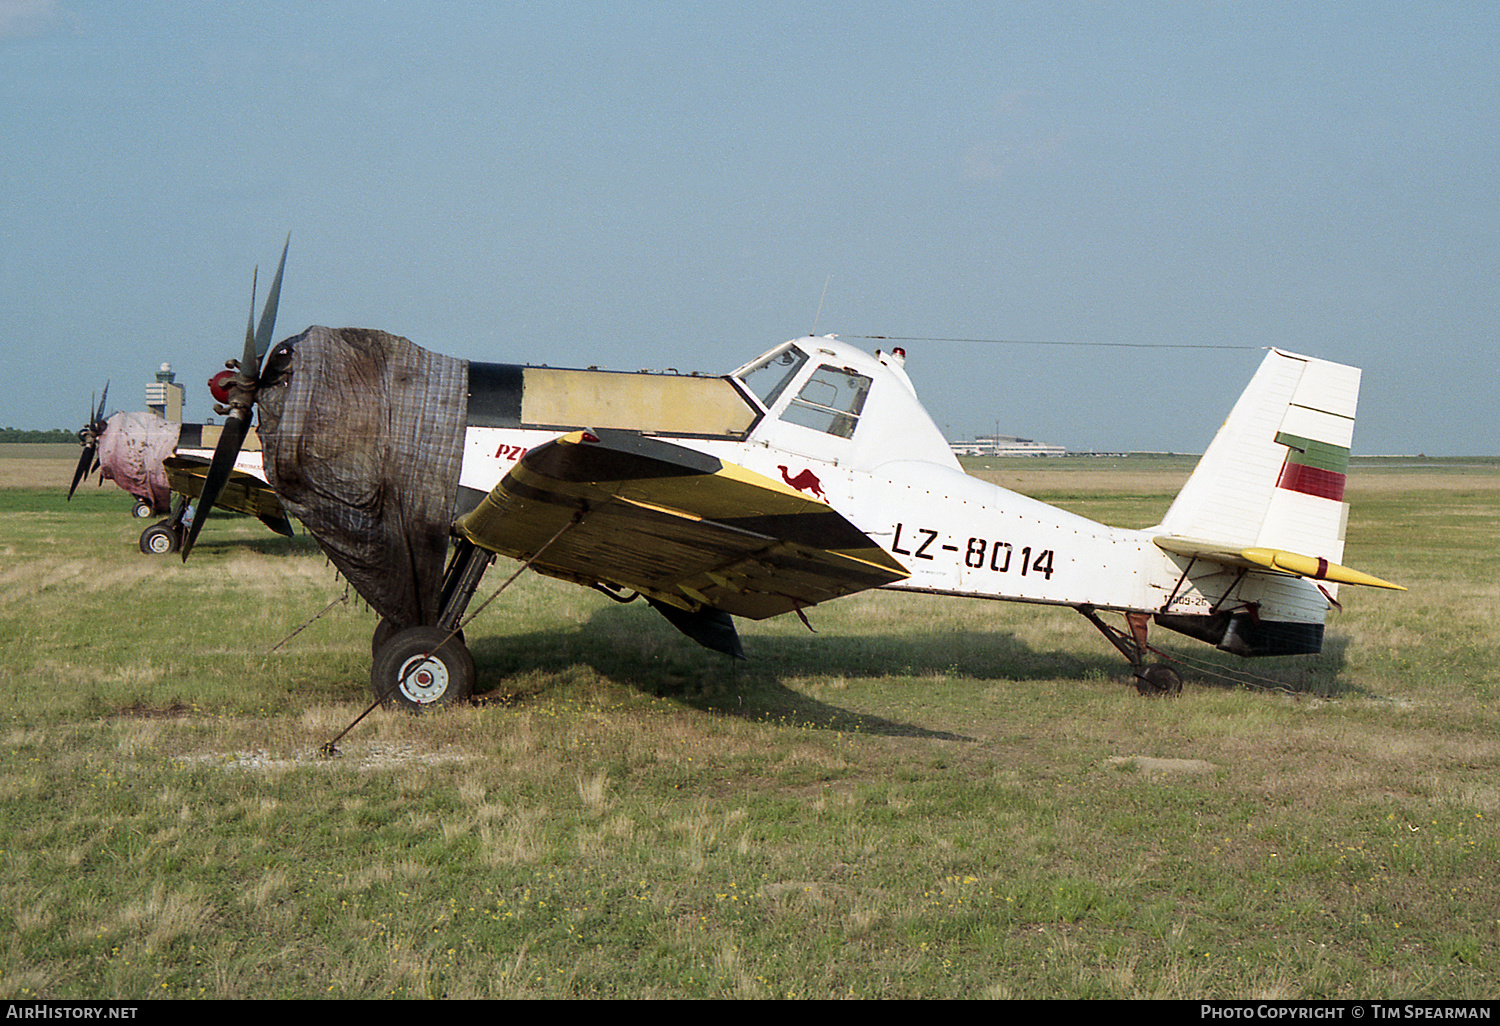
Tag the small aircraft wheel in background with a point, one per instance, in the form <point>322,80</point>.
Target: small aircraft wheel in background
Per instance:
<point>142,509</point>
<point>1158,681</point>
<point>160,539</point>
<point>421,667</point>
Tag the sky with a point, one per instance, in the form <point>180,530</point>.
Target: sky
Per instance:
<point>1086,219</point>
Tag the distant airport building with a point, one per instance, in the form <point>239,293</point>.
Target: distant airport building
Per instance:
<point>1006,445</point>
<point>164,395</point>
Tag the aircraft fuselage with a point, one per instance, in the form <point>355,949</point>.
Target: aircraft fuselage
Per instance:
<point>845,427</point>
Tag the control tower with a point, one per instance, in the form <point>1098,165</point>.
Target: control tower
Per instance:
<point>164,395</point>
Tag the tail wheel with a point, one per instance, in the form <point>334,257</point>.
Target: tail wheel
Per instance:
<point>421,667</point>
<point>1158,682</point>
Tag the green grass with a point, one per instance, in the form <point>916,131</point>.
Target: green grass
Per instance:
<point>926,798</point>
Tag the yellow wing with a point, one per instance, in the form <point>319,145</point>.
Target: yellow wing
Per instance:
<point>675,525</point>
<point>243,493</point>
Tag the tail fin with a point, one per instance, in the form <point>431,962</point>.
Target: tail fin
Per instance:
<point>1273,478</point>
<point>1266,507</point>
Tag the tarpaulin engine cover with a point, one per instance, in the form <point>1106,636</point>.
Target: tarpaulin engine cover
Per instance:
<point>363,439</point>
<point>130,453</point>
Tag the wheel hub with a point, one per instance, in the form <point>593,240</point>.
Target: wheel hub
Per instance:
<point>424,680</point>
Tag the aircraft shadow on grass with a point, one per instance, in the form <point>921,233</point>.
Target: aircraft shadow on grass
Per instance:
<point>262,544</point>
<point>627,644</point>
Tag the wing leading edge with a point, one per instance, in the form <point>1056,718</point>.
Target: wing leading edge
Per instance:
<point>680,527</point>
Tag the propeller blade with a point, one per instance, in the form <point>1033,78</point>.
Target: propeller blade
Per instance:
<point>83,468</point>
<point>241,400</point>
<point>236,427</point>
<point>273,300</point>
<point>89,439</point>
<point>248,357</point>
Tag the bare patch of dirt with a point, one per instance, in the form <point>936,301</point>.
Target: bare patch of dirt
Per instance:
<point>374,755</point>
<point>1152,767</point>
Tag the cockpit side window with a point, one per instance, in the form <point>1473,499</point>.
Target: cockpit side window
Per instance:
<point>769,378</point>
<point>831,401</point>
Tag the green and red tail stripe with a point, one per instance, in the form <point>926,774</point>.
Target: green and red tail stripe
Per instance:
<point>1313,467</point>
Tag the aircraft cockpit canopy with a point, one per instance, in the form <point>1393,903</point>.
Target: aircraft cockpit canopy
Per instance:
<point>830,400</point>
<point>768,378</point>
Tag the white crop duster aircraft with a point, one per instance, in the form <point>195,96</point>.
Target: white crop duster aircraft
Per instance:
<point>809,473</point>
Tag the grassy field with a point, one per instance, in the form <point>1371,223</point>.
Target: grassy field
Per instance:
<point>925,798</point>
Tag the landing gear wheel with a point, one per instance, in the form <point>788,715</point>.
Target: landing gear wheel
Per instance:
<point>421,667</point>
<point>385,631</point>
<point>1158,682</point>
<point>160,539</point>
<point>142,509</point>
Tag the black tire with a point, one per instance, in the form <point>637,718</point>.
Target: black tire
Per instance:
<point>385,631</point>
<point>421,667</point>
<point>160,539</point>
<point>1158,682</point>
<point>142,509</point>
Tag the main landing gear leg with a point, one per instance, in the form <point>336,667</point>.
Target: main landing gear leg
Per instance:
<point>430,665</point>
<point>416,669</point>
<point>1155,680</point>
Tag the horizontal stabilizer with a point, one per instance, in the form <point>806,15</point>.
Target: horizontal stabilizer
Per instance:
<point>1259,558</point>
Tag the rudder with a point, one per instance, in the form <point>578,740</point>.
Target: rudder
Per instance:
<point>1274,475</point>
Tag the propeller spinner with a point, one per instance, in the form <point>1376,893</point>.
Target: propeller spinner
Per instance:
<point>88,437</point>
<point>238,409</point>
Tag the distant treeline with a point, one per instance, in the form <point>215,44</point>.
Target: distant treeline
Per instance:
<point>11,434</point>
